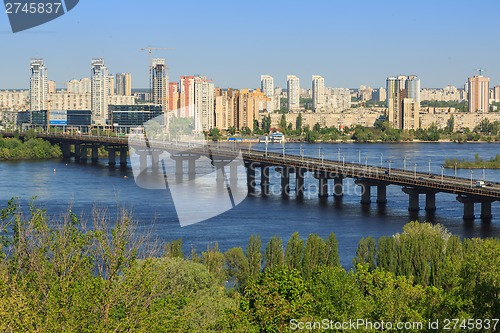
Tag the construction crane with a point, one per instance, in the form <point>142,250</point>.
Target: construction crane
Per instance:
<point>150,51</point>
<point>480,70</point>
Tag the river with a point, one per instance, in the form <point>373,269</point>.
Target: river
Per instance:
<point>57,185</point>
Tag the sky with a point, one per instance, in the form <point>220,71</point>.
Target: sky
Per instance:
<point>349,43</point>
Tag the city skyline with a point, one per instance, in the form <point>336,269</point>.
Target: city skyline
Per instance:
<point>347,45</point>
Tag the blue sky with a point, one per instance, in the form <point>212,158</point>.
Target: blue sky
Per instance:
<point>233,42</point>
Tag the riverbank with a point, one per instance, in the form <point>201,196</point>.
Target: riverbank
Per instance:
<point>477,163</point>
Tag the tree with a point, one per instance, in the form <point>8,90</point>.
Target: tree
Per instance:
<point>256,128</point>
<point>365,254</point>
<point>266,124</point>
<point>254,255</point>
<point>450,124</point>
<point>317,128</point>
<point>277,297</point>
<point>294,252</point>
<point>213,260</point>
<point>245,130</point>
<point>332,251</point>
<point>298,123</point>
<point>481,277</point>
<point>215,134</point>
<point>336,294</point>
<point>237,265</point>
<point>174,249</point>
<point>274,253</point>
<point>231,130</point>
<point>314,254</point>
<point>283,124</point>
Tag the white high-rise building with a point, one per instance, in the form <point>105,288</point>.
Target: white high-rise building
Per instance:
<point>204,104</point>
<point>159,83</point>
<point>99,91</point>
<point>267,87</point>
<point>39,85</point>
<point>318,93</point>
<point>293,87</point>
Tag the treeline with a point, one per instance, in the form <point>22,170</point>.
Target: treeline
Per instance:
<point>30,148</point>
<point>64,276</point>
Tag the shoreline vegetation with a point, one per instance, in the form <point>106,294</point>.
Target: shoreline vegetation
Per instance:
<point>382,131</point>
<point>477,163</point>
<point>34,148</point>
<point>73,275</point>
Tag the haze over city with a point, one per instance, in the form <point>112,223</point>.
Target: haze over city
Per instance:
<point>233,43</point>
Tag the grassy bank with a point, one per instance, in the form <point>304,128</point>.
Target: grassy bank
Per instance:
<point>477,163</point>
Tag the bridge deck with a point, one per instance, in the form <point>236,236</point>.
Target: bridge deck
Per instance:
<point>423,181</point>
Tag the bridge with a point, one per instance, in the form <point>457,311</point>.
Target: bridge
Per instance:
<point>413,183</point>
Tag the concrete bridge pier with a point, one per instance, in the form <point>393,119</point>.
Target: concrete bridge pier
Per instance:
<point>179,164</point>
<point>143,159</point>
<point>469,202</point>
<point>95,154</point>
<point>78,152</point>
<point>366,194</point>
<point>486,210</point>
<point>155,161</point>
<point>111,156</point>
<point>83,154</point>
<point>381,195</point>
<point>264,179</point>
<point>413,205</point>
<point>366,191</point>
<point>220,172</point>
<point>191,166</point>
<point>250,167</point>
<point>233,172</point>
<point>299,182</point>
<point>338,187</point>
<point>66,150</point>
<point>430,201</point>
<point>322,178</point>
<point>123,156</point>
<point>285,181</point>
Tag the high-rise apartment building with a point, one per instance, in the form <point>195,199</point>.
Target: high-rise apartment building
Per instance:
<point>159,82</point>
<point>403,101</point>
<point>224,108</point>
<point>267,87</point>
<point>204,104</point>
<point>99,91</point>
<point>496,94</point>
<point>318,93</point>
<point>111,85</point>
<point>124,84</point>
<point>186,97</point>
<point>52,87</point>
<point>293,87</point>
<point>39,85</point>
<point>82,86</point>
<point>478,91</point>
<point>238,108</point>
<point>173,97</point>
